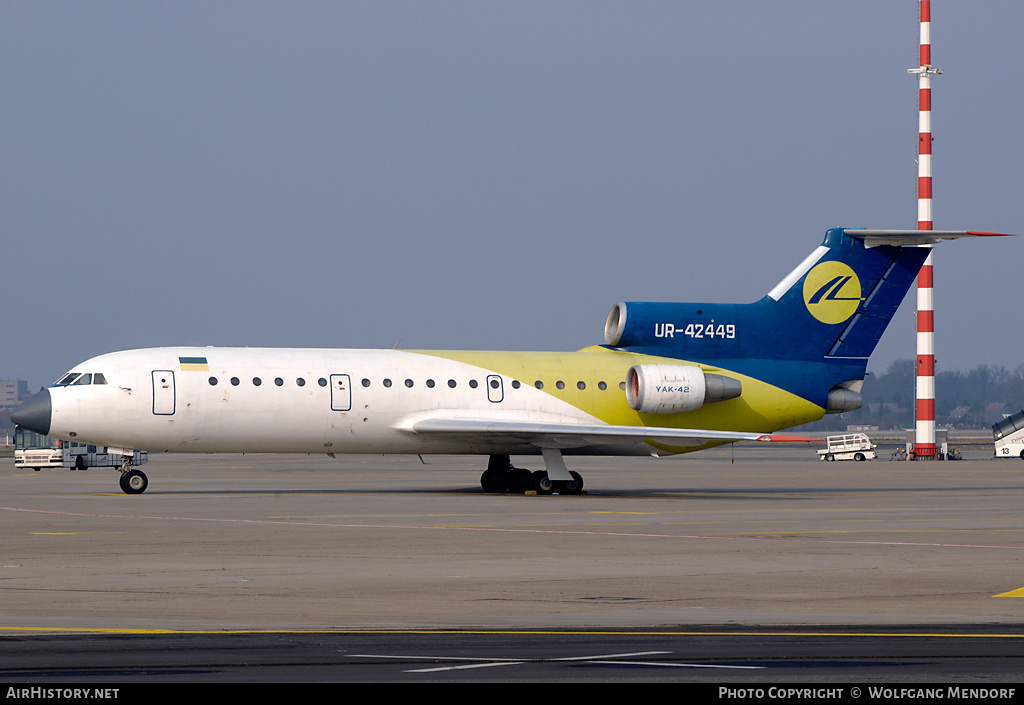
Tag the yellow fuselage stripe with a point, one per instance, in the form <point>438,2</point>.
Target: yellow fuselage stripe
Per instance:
<point>761,408</point>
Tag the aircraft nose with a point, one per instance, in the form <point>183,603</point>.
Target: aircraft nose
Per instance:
<point>34,413</point>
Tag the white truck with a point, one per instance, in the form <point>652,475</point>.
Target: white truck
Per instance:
<point>849,446</point>
<point>1009,436</point>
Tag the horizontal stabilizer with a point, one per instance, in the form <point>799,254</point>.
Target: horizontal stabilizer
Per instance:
<point>904,238</point>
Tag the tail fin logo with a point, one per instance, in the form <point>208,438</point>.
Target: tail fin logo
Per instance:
<point>832,292</point>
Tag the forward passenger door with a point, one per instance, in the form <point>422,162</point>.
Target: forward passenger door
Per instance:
<point>163,392</point>
<point>341,393</point>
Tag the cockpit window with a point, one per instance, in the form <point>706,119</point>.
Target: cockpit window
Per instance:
<point>77,378</point>
<point>66,379</point>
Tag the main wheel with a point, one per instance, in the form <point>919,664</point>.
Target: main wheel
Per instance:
<point>542,483</point>
<point>494,480</point>
<point>519,480</point>
<point>573,486</point>
<point>134,482</point>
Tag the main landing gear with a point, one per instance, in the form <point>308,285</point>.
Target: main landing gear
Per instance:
<point>500,476</point>
<point>133,481</point>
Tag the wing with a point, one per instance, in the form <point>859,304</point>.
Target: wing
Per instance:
<point>569,435</point>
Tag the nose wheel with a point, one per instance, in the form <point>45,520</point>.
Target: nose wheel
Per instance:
<point>134,482</point>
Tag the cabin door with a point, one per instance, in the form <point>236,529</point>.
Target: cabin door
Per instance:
<point>341,393</point>
<point>163,392</point>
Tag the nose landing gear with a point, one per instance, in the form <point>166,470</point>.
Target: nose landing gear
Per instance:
<point>132,481</point>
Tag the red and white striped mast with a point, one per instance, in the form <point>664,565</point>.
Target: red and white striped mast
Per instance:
<point>924,430</point>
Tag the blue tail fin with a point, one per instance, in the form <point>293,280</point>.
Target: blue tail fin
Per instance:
<point>812,332</point>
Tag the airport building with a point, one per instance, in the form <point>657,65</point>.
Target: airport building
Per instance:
<point>13,392</point>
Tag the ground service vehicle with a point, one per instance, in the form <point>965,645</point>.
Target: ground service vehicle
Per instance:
<point>849,446</point>
<point>36,451</point>
<point>1009,436</point>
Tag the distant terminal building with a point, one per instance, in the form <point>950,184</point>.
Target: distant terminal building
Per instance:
<point>13,392</point>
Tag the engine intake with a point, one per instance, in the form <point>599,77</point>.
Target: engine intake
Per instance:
<point>615,325</point>
<point>673,389</point>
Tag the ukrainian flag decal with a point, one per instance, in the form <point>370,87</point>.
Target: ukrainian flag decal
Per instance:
<point>193,364</point>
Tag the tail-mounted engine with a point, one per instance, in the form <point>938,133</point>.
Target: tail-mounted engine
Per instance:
<point>680,327</point>
<point>844,397</point>
<point>672,389</point>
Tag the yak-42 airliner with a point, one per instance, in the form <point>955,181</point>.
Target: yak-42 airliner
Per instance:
<point>670,378</point>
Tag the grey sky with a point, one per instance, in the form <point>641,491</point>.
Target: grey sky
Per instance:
<point>488,175</point>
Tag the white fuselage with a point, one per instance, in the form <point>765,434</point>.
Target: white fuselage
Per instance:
<point>298,401</point>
